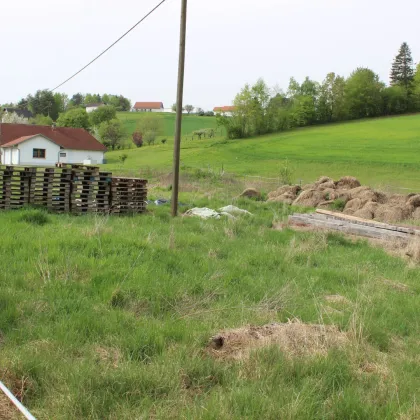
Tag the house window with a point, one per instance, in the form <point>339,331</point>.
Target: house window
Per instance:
<point>38,153</point>
<point>63,154</point>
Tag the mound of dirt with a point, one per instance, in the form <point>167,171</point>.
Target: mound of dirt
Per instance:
<point>348,183</point>
<point>251,193</point>
<point>360,201</point>
<point>286,194</point>
<point>293,338</point>
<point>309,198</point>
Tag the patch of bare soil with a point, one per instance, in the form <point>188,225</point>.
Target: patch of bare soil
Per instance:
<point>294,338</point>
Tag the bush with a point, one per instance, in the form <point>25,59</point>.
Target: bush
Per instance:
<point>150,137</point>
<point>137,138</point>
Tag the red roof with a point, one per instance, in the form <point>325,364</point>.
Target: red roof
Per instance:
<point>19,140</point>
<point>224,109</point>
<point>66,137</point>
<point>148,105</point>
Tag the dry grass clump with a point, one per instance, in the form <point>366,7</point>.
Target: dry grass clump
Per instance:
<point>294,338</point>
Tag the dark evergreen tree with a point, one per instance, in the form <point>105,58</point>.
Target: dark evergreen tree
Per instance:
<point>402,72</point>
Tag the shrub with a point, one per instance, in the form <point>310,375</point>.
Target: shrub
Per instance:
<point>137,138</point>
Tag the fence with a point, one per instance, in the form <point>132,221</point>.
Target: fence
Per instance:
<point>71,189</point>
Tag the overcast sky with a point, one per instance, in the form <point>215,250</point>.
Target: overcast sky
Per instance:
<point>230,43</point>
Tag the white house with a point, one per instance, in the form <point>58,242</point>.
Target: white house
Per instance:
<point>227,111</point>
<point>148,107</point>
<point>93,107</point>
<point>34,145</point>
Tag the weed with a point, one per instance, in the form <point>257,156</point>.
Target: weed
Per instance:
<point>338,205</point>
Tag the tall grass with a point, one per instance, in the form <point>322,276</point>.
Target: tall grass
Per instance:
<point>108,318</point>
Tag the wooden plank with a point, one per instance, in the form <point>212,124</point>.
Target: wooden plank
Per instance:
<point>373,223</point>
<point>347,227</point>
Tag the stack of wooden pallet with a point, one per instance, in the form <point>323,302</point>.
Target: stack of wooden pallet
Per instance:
<point>103,198</point>
<point>85,189</point>
<point>15,183</point>
<point>128,195</point>
<point>51,188</point>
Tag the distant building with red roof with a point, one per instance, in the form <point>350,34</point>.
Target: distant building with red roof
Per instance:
<point>37,145</point>
<point>148,107</point>
<point>225,110</point>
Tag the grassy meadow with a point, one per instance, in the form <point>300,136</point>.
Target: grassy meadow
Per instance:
<point>380,152</point>
<point>190,123</point>
<point>105,317</point>
<point>110,318</point>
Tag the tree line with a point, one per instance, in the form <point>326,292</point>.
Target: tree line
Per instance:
<point>46,105</point>
<point>260,110</point>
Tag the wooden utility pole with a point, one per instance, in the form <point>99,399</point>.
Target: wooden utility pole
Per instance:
<point>179,100</point>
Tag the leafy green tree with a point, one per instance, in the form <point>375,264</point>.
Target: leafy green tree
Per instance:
<point>76,118</point>
<point>61,102</point>
<point>43,120</point>
<point>402,72</point>
<point>150,126</point>
<point>111,133</point>
<point>189,108</point>
<point>331,104</point>
<point>43,102</point>
<point>92,98</point>
<point>416,88</point>
<point>363,94</point>
<point>103,113</point>
<point>394,100</point>
<point>77,100</point>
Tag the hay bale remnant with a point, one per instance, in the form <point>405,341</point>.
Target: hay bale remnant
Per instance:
<point>360,201</point>
<point>294,338</point>
<point>251,193</point>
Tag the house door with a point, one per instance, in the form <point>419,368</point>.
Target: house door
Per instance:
<point>15,156</point>
<point>62,157</point>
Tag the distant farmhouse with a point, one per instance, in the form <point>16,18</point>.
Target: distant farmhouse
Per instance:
<point>23,113</point>
<point>37,145</point>
<point>148,107</point>
<point>93,107</point>
<point>224,110</point>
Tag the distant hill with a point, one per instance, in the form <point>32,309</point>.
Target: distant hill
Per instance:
<point>383,152</point>
<point>190,122</point>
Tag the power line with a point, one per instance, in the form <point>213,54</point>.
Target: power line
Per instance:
<point>114,43</point>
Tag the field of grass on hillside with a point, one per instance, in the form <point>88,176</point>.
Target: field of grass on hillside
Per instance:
<point>110,318</point>
<point>380,152</point>
<point>190,123</point>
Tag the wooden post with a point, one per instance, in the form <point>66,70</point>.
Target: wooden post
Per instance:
<point>179,100</point>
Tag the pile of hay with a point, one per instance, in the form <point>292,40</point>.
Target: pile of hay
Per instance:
<point>294,338</point>
<point>359,201</point>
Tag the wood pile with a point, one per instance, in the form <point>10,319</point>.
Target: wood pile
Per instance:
<point>353,225</point>
<point>128,195</point>
<point>71,188</point>
<point>15,184</point>
<point>50,188</point>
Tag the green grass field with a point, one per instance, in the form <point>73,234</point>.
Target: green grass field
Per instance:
<point>380,152</point>
<point>110,318</point>
<point>190,123</point>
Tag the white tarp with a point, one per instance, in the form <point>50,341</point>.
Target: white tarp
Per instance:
<point>206,213</point>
